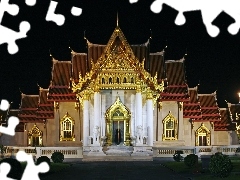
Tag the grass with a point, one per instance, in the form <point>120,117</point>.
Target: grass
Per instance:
<point>54,167</point>
<point>199,173</point>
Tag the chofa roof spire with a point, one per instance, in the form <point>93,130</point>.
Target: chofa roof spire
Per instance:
<point>117,19</point>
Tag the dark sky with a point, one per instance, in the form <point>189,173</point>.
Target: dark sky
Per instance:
<point>213,62</point>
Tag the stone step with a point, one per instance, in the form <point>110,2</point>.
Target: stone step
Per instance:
<point>117,158</point>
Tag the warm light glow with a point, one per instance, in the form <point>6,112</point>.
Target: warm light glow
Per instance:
<point>239,97</point>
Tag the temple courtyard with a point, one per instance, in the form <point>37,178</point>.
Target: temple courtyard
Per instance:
<point>116,170</point>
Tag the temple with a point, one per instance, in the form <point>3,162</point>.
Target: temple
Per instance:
<point>121,99</point>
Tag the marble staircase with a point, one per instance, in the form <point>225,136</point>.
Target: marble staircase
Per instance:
<point>121,153</point>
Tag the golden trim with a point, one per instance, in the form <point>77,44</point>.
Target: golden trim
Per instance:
<point>125,115</point>
<point>203,131</point>
<point>109,72</point>
<point>34,133</point>
<point>70,128</point>
<point>174,130</point>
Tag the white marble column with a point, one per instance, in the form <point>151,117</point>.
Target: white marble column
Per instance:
<point>133,116</point>
<point>138,109</point>
<point>85,121</point>
<point>97,118</point>
<point>150,119</point>
<point>139,125</point>
<point>103,128</point>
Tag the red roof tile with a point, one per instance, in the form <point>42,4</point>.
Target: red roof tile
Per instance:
<point>192,108</point>
<point>226,122</point>
<point>28,108</point>
<point>209,107</point>
<point>45,108</point>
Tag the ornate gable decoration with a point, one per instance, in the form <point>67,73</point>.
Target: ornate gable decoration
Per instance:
<point>118,111</point>
<point>170,126</point>
<point>35,131</point>
<point>117,68</point>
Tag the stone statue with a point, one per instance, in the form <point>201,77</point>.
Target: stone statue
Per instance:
<point>139,134</point>
<point>96,134</point>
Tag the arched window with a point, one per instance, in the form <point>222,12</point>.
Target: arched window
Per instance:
<point>35,136</point>
<point>202,136</point>
<point>67,128</point>
<point>170,127</point>
<point>117,81</point>
<point>132,80</point>
<point>124,80</point>
<point>103,81</point>
<point>110,80</point>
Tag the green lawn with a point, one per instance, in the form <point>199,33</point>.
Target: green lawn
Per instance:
<point>55,167</point>
<point>198,173</point>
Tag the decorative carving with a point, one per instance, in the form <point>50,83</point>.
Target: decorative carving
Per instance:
<point>77,106</point>
<point>170,127</point>
<point>35,136</point>
<point>160,105</point>
<point>203,136</point>
<point>56,105</point>
<point>149,94</point>
<point>118,112</point>
<point>180,105</point>
<point>109,72</point>
<point>67,128</point>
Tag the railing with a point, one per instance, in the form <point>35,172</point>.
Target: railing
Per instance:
<point>68,152</point>
<point>199,150</point>
<point>169,151</point>
<point>77,152</point>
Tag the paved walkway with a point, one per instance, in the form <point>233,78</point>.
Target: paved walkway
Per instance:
<point>116,171</point>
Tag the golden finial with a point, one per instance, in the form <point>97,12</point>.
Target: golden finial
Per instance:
<point>117,19</point>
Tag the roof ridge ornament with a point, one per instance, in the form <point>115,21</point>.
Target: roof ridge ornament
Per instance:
<point>117,19</point>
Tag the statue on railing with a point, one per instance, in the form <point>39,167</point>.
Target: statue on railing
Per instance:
<point>96,134</point>
<point>139,134</point>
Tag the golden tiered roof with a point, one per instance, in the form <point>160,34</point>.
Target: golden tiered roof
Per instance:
<point>117,68</point>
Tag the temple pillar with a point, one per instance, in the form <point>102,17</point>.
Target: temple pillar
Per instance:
<point>133,116</point>
<point>139,123</point>
<point>150,118</point>
<point>103,128</point>
<point>97,118</point>
<point>85,120</point>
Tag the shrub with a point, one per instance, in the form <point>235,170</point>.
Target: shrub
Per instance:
<point>177,156</point>
<point>16,168</point>
<point>43,159</point>
<point>220,165</point>
<point>191,160</point>
<point>57,157</point>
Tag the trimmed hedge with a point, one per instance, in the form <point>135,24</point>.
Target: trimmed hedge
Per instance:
<point>220,165</point>
<point>43,159</point>
<point>191,160</point>
<point>57,157</point>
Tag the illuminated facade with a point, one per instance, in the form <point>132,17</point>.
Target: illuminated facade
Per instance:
<point>120,95</point>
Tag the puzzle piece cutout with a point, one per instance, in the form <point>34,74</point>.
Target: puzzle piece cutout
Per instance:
<point>4,170</point>
<point>30,2</point>
<point>8,35</point>
<point>59,19</point>
<point>4,105</point>
<point>12,121</point>
<point>31,171</point>
<point>209,9</point>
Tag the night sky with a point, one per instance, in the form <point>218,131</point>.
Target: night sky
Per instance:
<point>213,62</point>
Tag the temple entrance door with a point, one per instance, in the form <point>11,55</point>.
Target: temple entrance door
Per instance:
<point>118,132</point>
<point>118,124</point>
